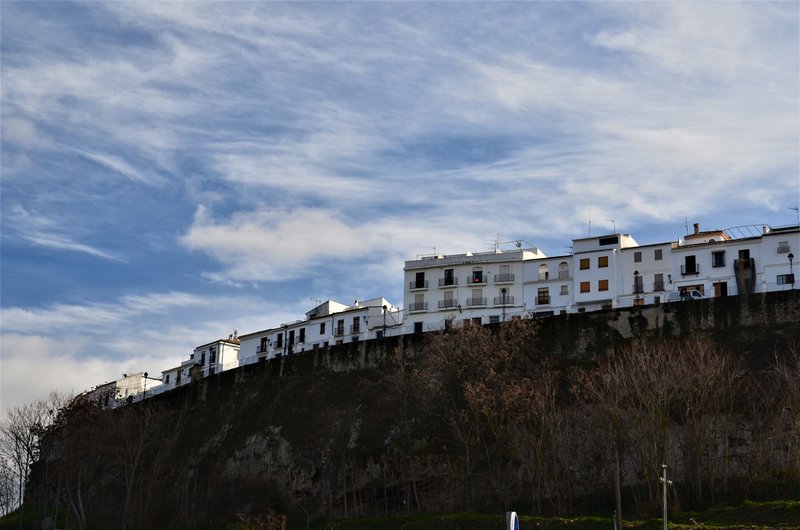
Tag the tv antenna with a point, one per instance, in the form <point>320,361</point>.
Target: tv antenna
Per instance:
<point>614,224</point>
<point>796,211</point>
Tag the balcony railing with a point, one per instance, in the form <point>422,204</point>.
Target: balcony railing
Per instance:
<point>476,280</point>
<point>543,299</point>
<point>354,330</point>
<point>473,302</point>
<point>658,285</point>
<point>444,282</point>
<point>262,349</point>
<point>503,300</point>
<point>447,304</point>
<point>638,286</point>
<point>563,275</point>
<point>503,278</point>
<point>418,306</point>
<point>422,284</point>
<point>687,270</point>
<point>338,332</point>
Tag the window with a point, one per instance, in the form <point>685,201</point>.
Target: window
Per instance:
<point>263,346</point>
<point>477,275</point>
<point>718,258</point>
<point>783,247</point>
<point>419,281</point>
<point>543,296</point>
<point>637,256</point>
<point>340,326</point>
<point>212,355</point>
<point>565,289</point>
<point>302,335</point>
<point>658,282</point>
<point>203,359</point>
<point>585,287</point>
<point>658,254</point>
<point>279,340</point>
<point>543,273</point>
<point>322,328</point>
<point>417,327</point>
<point>602,285</point>
<point>785,279</point>
<point>602,261</point>
<point>494,319</point>
<point>291,337</point>
<point>584,264</point>
<point>477,321</point>
<point>613,240</point>
<point>744,253</point>
<point>638,301</point>
<point>449,277</point>
<point>166,379</point>
<point>563,270</point>
<point>356,325</point>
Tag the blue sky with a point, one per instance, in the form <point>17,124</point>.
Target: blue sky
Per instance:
<point>171,172</point>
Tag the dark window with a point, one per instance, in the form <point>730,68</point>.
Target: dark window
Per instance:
<point>279,340</point>
<point>417,327</point>
<point>718,258</point>
<point>602,261</point>
<point>658,254</point>
<point>449,277</point>
<point>744,253</point>
<point>785,279</point>
<point>602,285</point>
<point>166,378</point>
<point>263,347</point>
<point>302,334</point>
<point>322,328</point>
<point>637,256</point>
<point>612,240</point>
<point>585,287</point>
<point>584,264</point>
<point>291,337</point>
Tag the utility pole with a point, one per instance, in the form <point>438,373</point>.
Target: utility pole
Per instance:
<point>665,483</point>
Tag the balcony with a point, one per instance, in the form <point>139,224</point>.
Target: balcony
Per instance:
<point>690,269</point>
<point>503,278</point>
<point>414,285</point>
<point>355,330</point>
<point>563,275</point>
<point>476,280</point>
<point>543,299</point>
<point>262,350</point>
<point>476,302</point>
<point>338,332</point>
<point>503,300</point>
<point>638,286</point>
<point>658,285</point>
<point>417,306</point>
<point>447,282</point>
<point>448,304</point>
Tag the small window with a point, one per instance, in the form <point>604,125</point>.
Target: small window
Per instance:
<point>658,254</point>
<point>166,378</point>
<point>602,261</point>
<point>613,240</point>
<point>602,285</point>
<point>417,327</point>
<point>565,289</point>
<point>302,335</point>
<point>494,319</point>
<point>477,321</point>
<point>585,287</point>
<point>322,328</point>
<point>718,258</point>
<point>637,256</point>
<point>744,253</point>
<point>785,279</point>
<point>584,264</point>
<point>279,340</point>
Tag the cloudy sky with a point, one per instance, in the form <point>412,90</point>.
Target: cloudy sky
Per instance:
<point>171,172</point>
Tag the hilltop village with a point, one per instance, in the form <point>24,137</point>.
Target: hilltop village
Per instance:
<point>443,291</point>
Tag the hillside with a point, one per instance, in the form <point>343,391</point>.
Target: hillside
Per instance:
<point>529,414</point>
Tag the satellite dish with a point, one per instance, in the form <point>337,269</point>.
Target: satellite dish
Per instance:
<point>519,244</point>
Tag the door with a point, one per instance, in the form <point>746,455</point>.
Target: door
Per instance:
<point>720,289</point>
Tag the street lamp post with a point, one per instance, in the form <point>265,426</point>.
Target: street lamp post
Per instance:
<point>503,292</point>
<point>791,269</point>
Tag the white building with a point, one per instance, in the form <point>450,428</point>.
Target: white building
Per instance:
<point>329,323</point>
<point>211,358</point>
<point>548,287</point>
<point>598,280</point>
<point>482,287</point>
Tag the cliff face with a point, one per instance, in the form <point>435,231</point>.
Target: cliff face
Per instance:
<point>402,425</point>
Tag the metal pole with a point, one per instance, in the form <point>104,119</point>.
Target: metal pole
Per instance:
<point>666,483</point>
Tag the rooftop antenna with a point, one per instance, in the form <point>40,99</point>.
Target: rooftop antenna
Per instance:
<point>686,225</point>
<point>797,212</point>
<point>590,216</point>
<point>614,223</point>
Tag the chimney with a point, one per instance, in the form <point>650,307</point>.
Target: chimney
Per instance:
<point>696,228</point>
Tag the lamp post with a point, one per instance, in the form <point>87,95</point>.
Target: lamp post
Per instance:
<point>666,483</point>
<point>636,288</point>
<point>791,269</point>
<point>503,292</point>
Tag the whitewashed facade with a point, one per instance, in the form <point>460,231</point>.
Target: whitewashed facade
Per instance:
<point>329,323</point>
<point>440,291</point>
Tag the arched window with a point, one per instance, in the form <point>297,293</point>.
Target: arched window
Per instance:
<point>543,273</point>
<point>563,270</point>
